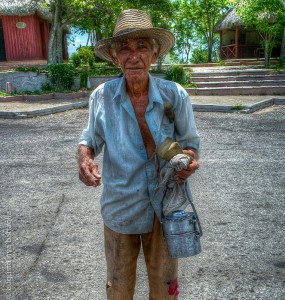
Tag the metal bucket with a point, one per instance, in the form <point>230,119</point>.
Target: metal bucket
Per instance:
<point>182,234</point>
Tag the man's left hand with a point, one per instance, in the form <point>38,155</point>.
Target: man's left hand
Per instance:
<point>191,168</point>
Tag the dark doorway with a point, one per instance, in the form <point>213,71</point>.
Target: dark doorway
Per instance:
<point>43,40</point>
<point>2,43</point>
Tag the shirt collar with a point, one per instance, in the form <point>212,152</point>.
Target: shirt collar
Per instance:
<point>153,92</point>
<point>121,92</point>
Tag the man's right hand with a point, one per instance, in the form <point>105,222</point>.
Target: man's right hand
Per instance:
<point>88,169</point>
<point>89,173</point>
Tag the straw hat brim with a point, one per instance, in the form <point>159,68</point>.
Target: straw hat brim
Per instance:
<point>164,38</point>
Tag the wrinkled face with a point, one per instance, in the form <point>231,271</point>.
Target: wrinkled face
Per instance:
<point>134,56</point>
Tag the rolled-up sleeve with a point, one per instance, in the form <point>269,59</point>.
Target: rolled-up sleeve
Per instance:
<point>93,135</point>
<point>185,126</point>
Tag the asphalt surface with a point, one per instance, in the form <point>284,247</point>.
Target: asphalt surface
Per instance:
<point>228,104</point>
<point>51,242</point>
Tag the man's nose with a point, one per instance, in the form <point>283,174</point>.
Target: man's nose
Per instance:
<point>134,55</point>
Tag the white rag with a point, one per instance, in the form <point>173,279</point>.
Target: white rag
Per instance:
<point>174,198</point>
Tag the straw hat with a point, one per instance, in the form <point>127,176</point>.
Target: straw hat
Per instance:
<point>133,23</point>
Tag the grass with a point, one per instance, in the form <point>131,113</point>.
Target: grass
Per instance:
<point>238,107</point>
<point>32,69</point>
<point>190,85</point>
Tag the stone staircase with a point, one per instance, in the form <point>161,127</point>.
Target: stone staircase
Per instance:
<point>247,81</point>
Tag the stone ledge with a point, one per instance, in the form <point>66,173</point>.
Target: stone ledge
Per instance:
<point>241,91</point>
<point>42,112</point>
<point>263,104</point>
<point>43,97</point>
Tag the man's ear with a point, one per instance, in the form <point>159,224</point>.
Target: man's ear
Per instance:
<point>114,59</point>
<point>155,56</point>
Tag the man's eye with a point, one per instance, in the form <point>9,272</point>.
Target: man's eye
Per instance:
<point>142,46</point>
<point>123,48</point>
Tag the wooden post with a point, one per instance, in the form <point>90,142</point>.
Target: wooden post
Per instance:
<point>236,43</point>
<point>221,44</point>
<point>10,88</point>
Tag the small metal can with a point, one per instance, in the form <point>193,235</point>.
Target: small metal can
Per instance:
<point>181,234</point>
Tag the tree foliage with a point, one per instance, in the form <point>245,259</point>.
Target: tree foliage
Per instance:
<point>94,16</point>
<point>269,19</point>
<point>282,52</point>
<point>101,25</point>
<point>195,21</point>
<point>183,29</point>
<point>70,12</point>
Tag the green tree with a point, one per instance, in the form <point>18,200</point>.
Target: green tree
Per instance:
<point>203,16</point>
<point>66,13</point>
<point>268,17</point>
<point>282,52</point>
<point>63,13</point>
<point>100,25</point>
<point>93,16</point>
<point>183,30</point>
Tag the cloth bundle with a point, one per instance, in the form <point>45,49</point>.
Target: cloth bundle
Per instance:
<point>169,196</point>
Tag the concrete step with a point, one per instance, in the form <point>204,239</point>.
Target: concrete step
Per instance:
<point>244,90</point>
<point>221,78</point>
<point>237,83</point>
<point>234,72</point>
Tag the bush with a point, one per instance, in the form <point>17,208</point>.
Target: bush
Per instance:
<point>83,78</point>
<point>61,76</point>
<point>86,55</point>
<point>281,63</point>
<point>31,69</point>
<point>176,73</point>
<point>46,87</point>
<point>199,56</point>
<point>75,59</point>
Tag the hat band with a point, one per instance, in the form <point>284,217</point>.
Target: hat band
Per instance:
<point>128,30</point>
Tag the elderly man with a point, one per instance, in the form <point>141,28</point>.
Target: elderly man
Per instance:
<point>127,116</point>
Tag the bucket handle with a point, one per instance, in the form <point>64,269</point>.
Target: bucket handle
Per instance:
<point>197,219</point>
<point>195,213</point>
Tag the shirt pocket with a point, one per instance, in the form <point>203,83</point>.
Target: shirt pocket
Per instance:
<point>167,127</point>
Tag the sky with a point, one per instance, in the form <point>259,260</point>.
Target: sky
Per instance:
<point>78,40</point>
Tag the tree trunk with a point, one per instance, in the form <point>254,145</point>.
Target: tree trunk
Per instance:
<point>266,54</point>
<point>55,51</point>
<point>159,63</point>
<point>282,52</point>
<point>98,35</point>
<point>210,50</point>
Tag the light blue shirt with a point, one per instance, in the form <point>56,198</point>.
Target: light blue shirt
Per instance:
<point>128,176</point>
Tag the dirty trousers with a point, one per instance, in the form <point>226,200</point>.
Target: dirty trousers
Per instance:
<point>122,251</point>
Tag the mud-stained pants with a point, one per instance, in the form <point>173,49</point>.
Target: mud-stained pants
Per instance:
<point>122,251</point>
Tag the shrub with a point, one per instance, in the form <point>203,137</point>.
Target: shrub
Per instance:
<point>176,73</point>
<point>91,61</point>
<point>83,78</point>
<point>61,76</point>
<point>282,63</point>
<point>31,69</point>
<point>199,56</point>
<point>46,87</point>
<point>75,59</point>
<point>86,55</point>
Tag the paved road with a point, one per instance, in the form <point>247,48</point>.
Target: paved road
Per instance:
<point>51,231</point>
